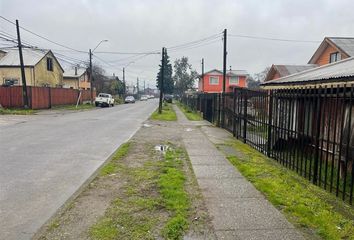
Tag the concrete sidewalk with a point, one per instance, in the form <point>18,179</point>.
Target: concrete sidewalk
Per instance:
<point>237,209</point>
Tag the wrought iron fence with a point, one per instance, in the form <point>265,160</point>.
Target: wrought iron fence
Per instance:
<point>308,130</point>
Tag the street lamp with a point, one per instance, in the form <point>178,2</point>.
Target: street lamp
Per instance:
<point>91,53</point>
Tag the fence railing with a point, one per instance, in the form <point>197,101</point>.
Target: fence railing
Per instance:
<point>308,130</point>
<point>41,97</point>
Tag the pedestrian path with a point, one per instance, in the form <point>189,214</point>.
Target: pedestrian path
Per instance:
<point>238,210</point>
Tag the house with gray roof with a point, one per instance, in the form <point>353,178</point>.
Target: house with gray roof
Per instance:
<point>76,78</point>
<point>338,73</point>
<point>278,71</point>
<point>41,68</point>
<point>212,81</point>
<point>333,49</point>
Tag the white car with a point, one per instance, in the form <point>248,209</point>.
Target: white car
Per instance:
<point>143,98</point>
<point>104,100</point>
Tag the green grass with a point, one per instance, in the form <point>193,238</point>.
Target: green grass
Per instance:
<point>315,211</point>
<point>4,111</point>
<point>154,202</point>
<point>167,114</point>
<point>113,165</point>
<point>189,113</point>
<point>174,196</point>
<point>73,107</point>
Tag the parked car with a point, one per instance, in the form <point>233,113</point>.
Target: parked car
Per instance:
<point>104,100</point>
<point>168,98</point>
<point>129,99</point>
<point>143,98</point>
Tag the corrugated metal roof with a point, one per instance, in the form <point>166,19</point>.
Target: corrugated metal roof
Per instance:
<point>285,70</point>
<point>71,72</point>
<point>346,44</point>
<point>340,69</point>
<point>30,57</point>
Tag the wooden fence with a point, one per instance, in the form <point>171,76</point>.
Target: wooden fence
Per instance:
<point>42,97</point>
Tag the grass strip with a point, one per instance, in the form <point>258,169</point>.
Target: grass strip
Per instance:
<point>167,114</point>
<point>315,211</point>
<point>73,107</point>
<point>189,113</point>
<point>113,165</point>
<point>174,197</point>
<point>7,111</point>
<point>154,202</point>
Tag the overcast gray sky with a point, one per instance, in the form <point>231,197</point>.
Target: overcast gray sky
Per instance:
<point>148,25</point>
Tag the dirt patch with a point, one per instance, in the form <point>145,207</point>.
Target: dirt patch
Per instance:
<point>126,191</point>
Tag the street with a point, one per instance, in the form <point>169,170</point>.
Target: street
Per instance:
<point>45,158</point>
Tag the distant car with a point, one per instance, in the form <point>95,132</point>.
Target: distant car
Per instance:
<point>151,96</point>
<point>168,98</point>
<point>129,99</point>
<point>143,98</point>
<point>104,100</point>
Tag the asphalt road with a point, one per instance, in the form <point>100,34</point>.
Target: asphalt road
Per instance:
<point>45,158</point>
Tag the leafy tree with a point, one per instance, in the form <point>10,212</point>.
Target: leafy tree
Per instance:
<point>252,84</point>
<point>116,86</point>
<point>184,76</point>
<point>168,85</point>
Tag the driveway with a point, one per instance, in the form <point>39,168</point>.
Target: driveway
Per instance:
<point>44,159</point>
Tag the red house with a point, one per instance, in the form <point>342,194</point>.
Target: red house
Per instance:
<point>212,81</point>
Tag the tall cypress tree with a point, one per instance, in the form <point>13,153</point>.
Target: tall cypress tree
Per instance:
<point>168,85</point>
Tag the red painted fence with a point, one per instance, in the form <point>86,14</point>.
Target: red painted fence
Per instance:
<point>41,97</point>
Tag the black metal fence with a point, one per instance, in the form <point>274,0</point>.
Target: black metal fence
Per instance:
<point>308,130</point>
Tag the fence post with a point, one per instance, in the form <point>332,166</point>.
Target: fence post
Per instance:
<point>234,114</point>
<point>245,116</point>
<point>317,137</point>
<point>219,109</point>
<point>50,97</point>
<point>270,117</point>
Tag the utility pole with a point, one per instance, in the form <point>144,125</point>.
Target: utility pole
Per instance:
<point>223,81</point>
<point>162,79</point>
<point>23,75</point>
<point>137,86</point>
<point>124,91</point>
<point>202,75</point>
<point>91,78</point>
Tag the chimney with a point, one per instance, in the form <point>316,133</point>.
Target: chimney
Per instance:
<point>75,71</point>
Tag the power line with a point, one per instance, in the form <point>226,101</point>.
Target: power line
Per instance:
<point>272,39</point>
<point>196,46</point>
<point>214,36</point>
<point>127,53</point>
<point>45,38</point>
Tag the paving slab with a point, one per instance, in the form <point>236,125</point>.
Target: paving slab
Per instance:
<point>215,172</point>
<point>208,160</point>
<point>233,188</point>
<point>245,214</point>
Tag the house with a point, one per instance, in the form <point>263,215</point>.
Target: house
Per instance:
<point>41,68</point>
<point>212,81</point>
<point>333,49</point>
<point>76,78</point>
<point>278,71</point>
<point>341,72</point>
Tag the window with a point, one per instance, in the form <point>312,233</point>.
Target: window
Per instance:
<point>334,57</point>
<point>10,82</point>
<point>213,80</point>
<point>50,64</point>
<point>234,80</point>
